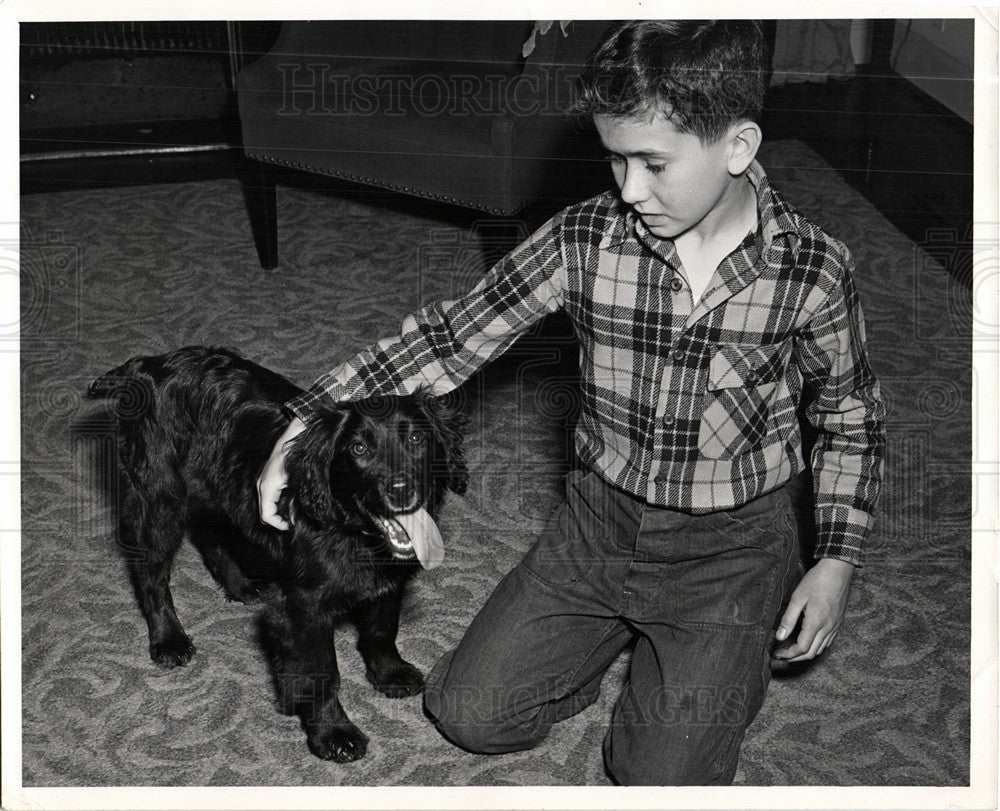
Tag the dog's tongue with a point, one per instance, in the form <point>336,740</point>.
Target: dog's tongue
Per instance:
<point>425,537</point>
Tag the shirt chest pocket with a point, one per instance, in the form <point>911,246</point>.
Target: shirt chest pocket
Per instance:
<point>740,388</point>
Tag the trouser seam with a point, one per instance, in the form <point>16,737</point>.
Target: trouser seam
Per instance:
<point>726,751</point>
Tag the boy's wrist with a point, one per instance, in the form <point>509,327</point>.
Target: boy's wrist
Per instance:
<point>294,410</point>
<point>839,565</point>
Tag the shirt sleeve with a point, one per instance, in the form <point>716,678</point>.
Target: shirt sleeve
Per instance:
<point>443,344</point>
<point>846,408</point>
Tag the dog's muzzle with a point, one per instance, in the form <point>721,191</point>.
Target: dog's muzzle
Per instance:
<point>400,493</point>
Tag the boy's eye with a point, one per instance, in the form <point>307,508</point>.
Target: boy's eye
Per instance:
<point>652,168</point>
<point>359,449</point>
<point>416,438</point>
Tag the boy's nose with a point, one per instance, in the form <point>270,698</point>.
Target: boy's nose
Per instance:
<point>630,183</point>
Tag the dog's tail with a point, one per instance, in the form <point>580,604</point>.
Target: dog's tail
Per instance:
<point>111,382</point>
<point>130,384</point>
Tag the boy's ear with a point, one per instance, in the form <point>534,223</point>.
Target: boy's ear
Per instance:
<point>744,141</point>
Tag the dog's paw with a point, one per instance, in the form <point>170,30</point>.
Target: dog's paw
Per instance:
<point>401,681</point>
<point>172,652</point>
<point>342,744</point>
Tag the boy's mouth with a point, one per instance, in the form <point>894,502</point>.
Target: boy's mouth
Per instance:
<point>659,222</point>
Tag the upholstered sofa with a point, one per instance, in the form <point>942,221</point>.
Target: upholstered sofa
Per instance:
<point>463,112</point>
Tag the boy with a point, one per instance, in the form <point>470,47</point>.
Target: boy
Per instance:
<point>706,309</point>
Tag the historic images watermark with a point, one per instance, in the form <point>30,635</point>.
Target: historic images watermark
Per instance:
<point>49,270</point>
<point>315,89</point>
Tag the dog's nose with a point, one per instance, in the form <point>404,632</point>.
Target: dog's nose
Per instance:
<point>401,490</point>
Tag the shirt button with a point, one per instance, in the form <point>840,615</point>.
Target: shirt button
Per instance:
<point>668,420</point>
<point>661,479</point>
<point>752,376</point>
<point>678,355</point>
<point>676,285</point>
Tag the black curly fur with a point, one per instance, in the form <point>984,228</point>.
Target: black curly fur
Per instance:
<point>197,426</point>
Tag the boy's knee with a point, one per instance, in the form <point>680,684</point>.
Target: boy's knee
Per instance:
<point>454,712</point>
<point>468,717</point>
<point>684,772</point>
<point>471,732</point>
<point>636,759</point>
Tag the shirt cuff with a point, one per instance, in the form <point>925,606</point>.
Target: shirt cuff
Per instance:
<point>841,533</point>
<point>313,399</point>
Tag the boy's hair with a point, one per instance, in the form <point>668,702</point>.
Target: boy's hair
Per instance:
<point>704,76</point>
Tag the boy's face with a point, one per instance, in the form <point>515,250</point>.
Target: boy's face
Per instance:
<point>673,181</point>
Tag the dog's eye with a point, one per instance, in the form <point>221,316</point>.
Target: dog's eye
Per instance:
<point>417,438</point>
<point>359,449</point>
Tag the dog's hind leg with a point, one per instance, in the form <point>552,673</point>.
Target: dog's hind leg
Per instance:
<point>150,534</point>
<point>308,680</point>
<point>378,624</point>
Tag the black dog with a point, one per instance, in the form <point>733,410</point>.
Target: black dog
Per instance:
<point>196,427</point>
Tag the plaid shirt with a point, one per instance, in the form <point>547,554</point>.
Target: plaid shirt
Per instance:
<point>684,405</point>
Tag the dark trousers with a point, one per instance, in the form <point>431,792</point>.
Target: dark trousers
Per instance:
<point>700,594</point>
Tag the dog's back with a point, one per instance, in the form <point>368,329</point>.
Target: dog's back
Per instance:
<point>198,395</point>
<point>194,372</point>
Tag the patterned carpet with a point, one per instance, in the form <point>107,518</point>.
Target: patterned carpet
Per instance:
<point>112,273</point>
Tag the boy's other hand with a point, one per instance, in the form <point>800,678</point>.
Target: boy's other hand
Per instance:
<point>273,479</point>
<point>820,600</point>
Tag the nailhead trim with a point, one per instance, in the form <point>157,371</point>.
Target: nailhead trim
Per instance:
<point>498,210</point>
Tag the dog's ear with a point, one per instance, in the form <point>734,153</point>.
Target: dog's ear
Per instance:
<point>308,465</point>
<point>444,414</point>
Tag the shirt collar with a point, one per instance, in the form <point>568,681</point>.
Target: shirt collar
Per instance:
<point>622,223</point>
<point>774,216</point>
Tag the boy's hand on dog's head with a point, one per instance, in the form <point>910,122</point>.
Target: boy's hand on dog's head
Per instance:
<point>273,478</point>
<point>820,601</point>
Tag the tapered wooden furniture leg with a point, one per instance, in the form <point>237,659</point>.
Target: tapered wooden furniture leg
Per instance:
<point>262,206</point>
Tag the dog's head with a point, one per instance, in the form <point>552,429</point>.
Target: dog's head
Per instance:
<point>361,465</point>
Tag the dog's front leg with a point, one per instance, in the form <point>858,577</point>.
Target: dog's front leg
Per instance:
<point>309,681</point>
<point>378,624</point>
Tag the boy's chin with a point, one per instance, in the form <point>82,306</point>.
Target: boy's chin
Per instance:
<point>664,228</point>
